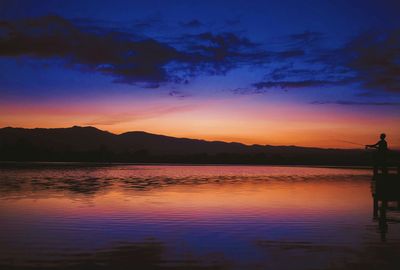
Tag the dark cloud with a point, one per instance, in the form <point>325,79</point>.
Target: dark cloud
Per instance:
<point>295,84</point>
<point>306,37</point>
<point>113,53</point>
<point>343,102</point>
<point>146,23</point>
<point>225,40</point>
<point>219,53</point>
<point>290,53</point>
<point>121,54</point>
<point>263,86</point>
<point>368,94</point>
<point>248,91</point>
<point>192,24</point>
<point>370,60</point>
<point>328,74</point>
<point>375,57</point>
<point>178,94</point>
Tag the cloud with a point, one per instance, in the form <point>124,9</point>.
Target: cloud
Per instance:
<point>368,94</point>
<point>216,54</point>
<point>147,23</point>
<point>306,38</point>
<point>113,53</point>
<point>375,57</point>
<point>127,57</point>
<point>290,53</point>
<point>148,113</point>
<point>225,40</point>
<point>225,48</point>
<point>290,84</point>
<point>192,24</point>
<point>370,61</point>
<point>178,94</point>
<point>295,84</point>
<point>356,103</point>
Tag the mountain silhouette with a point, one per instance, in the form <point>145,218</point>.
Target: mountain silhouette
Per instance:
<point>91,144</point>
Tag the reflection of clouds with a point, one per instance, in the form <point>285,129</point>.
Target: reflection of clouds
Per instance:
<point>94,180</point>
<point>317,220</point>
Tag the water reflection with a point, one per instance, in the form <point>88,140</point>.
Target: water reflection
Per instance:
<point>192,217</point>
<point>386,198</point>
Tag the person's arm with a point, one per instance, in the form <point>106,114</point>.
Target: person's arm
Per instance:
<point>372,145</point>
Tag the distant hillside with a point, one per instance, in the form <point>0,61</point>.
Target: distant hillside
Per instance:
<point>91,144</point>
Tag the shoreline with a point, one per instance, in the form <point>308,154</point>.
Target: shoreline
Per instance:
<point>101,164</point>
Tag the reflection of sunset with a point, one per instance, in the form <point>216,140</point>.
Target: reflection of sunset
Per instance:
<point>81,212</point>
<point>269,201</point>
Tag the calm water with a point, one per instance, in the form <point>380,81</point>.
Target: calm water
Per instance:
<point>192,217</point>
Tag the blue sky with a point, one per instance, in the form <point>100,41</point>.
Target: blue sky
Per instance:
<point>308,53</point>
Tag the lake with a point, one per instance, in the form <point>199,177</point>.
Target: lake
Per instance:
<point>79,216</point>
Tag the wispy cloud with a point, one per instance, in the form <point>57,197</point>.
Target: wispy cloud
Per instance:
<point>192,24</point>
<point>113,119</point>
<point>178,94</point>
<point>295,84</point>
<point>263,86</point>
<point>306,37</point>
<point>356,103</point>
<point>370,60</point>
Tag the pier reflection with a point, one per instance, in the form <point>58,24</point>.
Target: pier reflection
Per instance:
<point>385,190</point>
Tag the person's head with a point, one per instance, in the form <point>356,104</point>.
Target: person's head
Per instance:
<point>383,136</point>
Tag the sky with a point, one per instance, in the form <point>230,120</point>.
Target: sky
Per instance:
<point>308,73</point>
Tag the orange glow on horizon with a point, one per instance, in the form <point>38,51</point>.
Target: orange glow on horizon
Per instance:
<point>233,120</point>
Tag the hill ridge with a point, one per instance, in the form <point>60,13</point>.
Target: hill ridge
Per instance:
<point>89,143</point>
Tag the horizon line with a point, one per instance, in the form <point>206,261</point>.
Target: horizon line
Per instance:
<point>117,134</point>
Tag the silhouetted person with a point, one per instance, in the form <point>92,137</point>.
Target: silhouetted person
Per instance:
<point>380,155</point>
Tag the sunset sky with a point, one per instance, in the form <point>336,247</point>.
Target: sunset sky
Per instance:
<point>309,73</point>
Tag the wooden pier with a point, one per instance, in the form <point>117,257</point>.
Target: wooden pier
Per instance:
<point>385,189</point>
